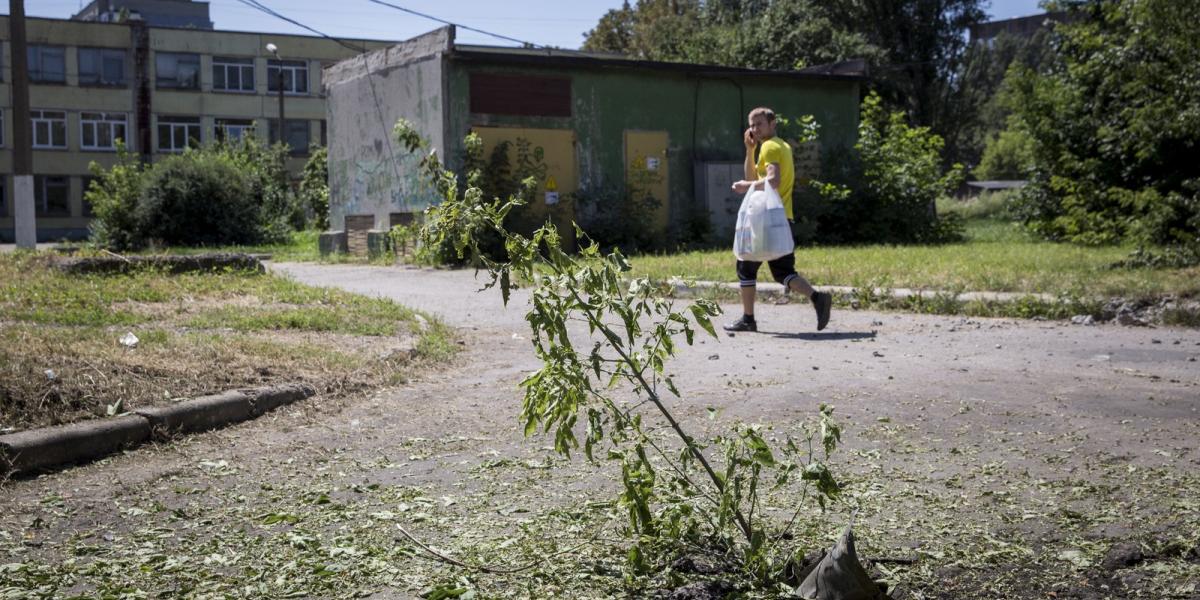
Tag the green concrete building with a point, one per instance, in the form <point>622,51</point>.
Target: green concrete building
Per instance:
<point>596,120</point>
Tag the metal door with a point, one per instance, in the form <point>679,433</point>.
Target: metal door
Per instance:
<point>646,170</point>
<point>555,148</point>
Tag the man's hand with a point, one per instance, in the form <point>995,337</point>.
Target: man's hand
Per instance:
<point>741,187</point>
<point>748,139</point>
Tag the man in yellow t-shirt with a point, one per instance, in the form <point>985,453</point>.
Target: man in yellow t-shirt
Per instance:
<point>774,165</point>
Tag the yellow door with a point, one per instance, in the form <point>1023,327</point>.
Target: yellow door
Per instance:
<point>646,170</point>
<point>555,150</point>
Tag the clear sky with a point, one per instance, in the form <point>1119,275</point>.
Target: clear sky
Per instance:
<point>545,22</point>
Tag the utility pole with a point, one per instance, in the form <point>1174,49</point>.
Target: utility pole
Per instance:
<point>273,49</point>
<point>24,213</point>
<point>283,172</point>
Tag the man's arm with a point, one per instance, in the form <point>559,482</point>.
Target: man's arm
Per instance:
<point>749,172</point>
<point>741,187</point>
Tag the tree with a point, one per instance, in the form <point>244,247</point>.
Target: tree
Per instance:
<point>614,32</point>
<point>742,33</point>
<point>915,48</point>
<point>980,103</point>
<point>795,35</point>
<point>923,47</point>
<point>1115,122</point>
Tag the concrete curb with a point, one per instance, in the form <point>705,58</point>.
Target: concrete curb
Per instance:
<point>44,449</point>
<point>41,449</point>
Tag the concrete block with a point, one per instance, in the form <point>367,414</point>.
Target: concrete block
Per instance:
<point>199,414</point>
<point>330,242</point>
<point>378,243</point>
<point>41,449</point>
<point>265,400</point>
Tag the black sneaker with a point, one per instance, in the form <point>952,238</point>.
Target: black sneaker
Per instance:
<point>742,325</point>
<point>823,303</point>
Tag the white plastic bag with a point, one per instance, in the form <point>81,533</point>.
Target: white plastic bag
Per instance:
<point>762,232</point>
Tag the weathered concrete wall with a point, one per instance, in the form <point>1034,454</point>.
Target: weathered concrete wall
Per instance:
<point>369,173</point>
<point>704,117</point>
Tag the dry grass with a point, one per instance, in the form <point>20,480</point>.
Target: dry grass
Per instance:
<point>61,359</point>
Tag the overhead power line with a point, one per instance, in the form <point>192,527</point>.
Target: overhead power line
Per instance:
<point>255,4</point>
<point>457,25</point>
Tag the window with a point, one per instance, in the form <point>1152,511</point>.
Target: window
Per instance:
<point>178,71</point>
<point>51,196</point>
<point>100,131</point>
<point>233,74</point>
<point>295,134</point>
<point>324,134</point>
<point>3,195</point>
<point>1,128</point>
<point>233,130</point>
<point>521,95</point>
<point>177,133</point>
<point>295,76</point>
<point>102,66</point>
<point>47,64</point>
<point>49,128</point>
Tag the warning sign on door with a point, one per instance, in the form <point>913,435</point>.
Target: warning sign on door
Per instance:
<point>551,190</point>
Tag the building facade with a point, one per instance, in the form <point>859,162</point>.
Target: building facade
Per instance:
<point>596,122</point>
<point>160,90</point>
<point>1021,27</point>
<point>157,13</point>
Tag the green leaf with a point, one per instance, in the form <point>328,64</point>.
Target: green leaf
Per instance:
<point>701,317</point>
<point>671,386</point>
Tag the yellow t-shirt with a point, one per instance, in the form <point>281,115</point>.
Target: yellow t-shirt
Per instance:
<point>778,151</point>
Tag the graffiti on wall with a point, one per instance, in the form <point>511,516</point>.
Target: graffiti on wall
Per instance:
<point>378,186</point>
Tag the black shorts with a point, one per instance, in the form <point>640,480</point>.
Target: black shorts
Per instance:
<point>783,269</point>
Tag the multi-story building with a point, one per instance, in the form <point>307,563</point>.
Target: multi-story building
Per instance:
<point>1020,27</point>
<point>156,13</point>
<point>160,89</point>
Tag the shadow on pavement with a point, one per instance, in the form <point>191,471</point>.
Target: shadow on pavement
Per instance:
<point>816,336</point>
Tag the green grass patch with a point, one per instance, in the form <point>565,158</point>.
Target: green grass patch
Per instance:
<point>301,246</point>
<point>997,256</point>
<point>988,205</point>
<point>306,318</point>
<point>198,333</point>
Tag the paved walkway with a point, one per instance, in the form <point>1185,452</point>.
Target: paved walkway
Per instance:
<point>982,420</point>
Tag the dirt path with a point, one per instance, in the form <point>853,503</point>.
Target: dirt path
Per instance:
<point>1008,457</point>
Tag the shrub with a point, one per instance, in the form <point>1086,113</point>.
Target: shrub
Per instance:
<point>1115,122</point>
<point>198,200</point>
<point>493,178</point>
<point>113,195</point>
<point>620,215</point>
<point>266,169</point>
<point>1007,156</point>
<point>989,205</point>
<point>219,194</point>
<point>681,494</point>
<point>314,187</point>
<point>886,189</point>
